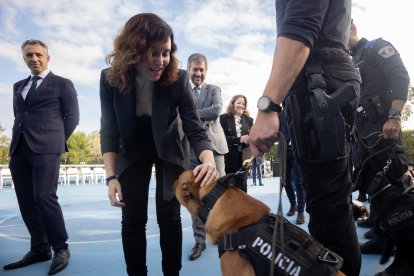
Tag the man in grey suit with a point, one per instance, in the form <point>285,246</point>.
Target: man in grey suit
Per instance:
<point>46,113</point>
<point>208,102</point>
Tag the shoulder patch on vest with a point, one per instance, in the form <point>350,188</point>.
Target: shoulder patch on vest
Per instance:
<point>386,51</point>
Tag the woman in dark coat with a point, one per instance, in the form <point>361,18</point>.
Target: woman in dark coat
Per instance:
<point>236,124</point>
<point>147,110</point>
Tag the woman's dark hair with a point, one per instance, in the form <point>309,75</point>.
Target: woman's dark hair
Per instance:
<point>134,44</point>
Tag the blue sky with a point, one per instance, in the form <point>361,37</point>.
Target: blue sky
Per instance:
<point>237,36</point>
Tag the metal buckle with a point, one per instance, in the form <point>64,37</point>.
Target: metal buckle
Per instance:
<point>328,257</point>
<point>228,242</point>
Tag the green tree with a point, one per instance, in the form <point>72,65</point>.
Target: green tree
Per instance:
<point>95,139</point>
<point>4,146</point>
<point>408,139</point>
<point>80,150</point>
<point>408,107</point>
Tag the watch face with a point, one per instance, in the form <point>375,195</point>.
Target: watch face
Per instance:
<point>263,103</point>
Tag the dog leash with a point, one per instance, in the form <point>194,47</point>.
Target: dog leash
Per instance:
<point>279,218</point>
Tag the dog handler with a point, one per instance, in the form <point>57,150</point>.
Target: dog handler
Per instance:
<point>310,62</point>
<point>384,91</point>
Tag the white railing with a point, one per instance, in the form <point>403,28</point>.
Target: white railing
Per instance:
<point>5,177</point>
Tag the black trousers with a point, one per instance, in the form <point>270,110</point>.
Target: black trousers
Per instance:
<point>35,177</point>
<point>232,168</point>
<point>294,185</point>
<point>135,187</point>
<point>328,201</point>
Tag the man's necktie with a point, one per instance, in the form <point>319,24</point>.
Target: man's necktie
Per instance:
<point>32,89</point>
<point>196,92</point>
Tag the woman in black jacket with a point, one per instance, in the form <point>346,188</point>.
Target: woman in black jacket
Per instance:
<point>236,124</point>
<point>147,110</point>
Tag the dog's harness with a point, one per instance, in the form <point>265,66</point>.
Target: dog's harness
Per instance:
<point>297,256</point>
<point>402,213</point>
<point>211,198</point>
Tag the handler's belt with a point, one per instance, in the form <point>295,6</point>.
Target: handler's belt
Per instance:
<point>302,254</point>
<point>375,110</point>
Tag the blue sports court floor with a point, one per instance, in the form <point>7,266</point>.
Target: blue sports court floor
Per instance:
<point>95,239</point>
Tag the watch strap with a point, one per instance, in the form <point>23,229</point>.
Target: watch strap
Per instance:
<point>112,177</point>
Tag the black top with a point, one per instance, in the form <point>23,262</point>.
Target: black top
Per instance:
<point>316,23</point>
<point>382,71</point>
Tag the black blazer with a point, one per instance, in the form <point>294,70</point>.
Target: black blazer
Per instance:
<point>232,158</point>
<point>174,117</point>
<point>49,119</point>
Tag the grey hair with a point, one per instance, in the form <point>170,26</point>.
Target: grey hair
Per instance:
<point>35,42</point>
<point>196,57</point>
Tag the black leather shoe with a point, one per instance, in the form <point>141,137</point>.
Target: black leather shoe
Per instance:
<point>367,223</point>
<point>30,258</point>
<point>300,219</point>
<point>373,246</point>
<point>396,269</point>
<point>362,197</point>
<point>370,234</point>
<point>291,211</point>
<point>60,261</point>
<point>195,252</point>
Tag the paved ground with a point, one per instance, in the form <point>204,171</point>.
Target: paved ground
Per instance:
<point>95,241</point>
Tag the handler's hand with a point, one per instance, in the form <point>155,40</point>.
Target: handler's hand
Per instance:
<point>206,172</point>
<point>115,193</point>
<point>264,132</point>
<point>391,129</point>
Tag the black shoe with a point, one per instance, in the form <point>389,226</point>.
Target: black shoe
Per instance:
<point>373,246</point>
<point>254,184</point>
<point>60,261</point>
<point>396,269</point>
<point>291,211</point>
<point>362,197</point>
<point>30,258</point>
<point>367,223</point>
<point>370,234</point>
<point>261,184</point>
<point>195,252</point>
<point>300,219</point>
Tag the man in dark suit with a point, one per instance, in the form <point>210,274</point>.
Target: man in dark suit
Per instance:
<point>208,102</point>
<point>46,113</point>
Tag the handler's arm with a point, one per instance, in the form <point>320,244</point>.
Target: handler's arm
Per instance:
<point>288,60</point>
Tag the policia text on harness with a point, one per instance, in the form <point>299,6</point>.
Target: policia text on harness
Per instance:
<point>274,246</point>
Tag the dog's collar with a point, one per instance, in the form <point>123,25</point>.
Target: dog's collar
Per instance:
<point>211,198</point>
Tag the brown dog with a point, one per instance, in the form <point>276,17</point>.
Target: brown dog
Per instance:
<point>232,211</point>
